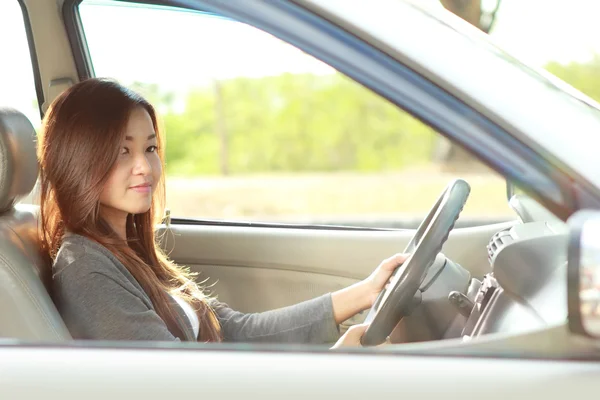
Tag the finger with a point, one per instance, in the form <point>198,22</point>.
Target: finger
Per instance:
<point>356,331</point>
<point>352,336</point>
<point>394,261</point>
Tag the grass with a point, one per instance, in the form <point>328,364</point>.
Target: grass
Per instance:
<point>332,196</point>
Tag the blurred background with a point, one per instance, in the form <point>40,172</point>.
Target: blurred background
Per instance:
<point>259,131</point>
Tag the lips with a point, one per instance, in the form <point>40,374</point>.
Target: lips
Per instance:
<point>143,185</point>
<point>142,188</point>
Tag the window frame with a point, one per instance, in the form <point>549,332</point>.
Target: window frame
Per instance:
<point>383,75</point>
<point>37,77</point>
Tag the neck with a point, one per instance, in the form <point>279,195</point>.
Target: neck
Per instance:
<point>117,220</point>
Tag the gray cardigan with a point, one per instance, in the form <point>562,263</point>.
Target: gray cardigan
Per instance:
<point>98,298</point>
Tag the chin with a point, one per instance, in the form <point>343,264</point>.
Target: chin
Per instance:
<point>139,210</point>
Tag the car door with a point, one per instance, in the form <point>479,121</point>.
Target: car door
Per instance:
<point>285,178</point>
<point>154,373</point>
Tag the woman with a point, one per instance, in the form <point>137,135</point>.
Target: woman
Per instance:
<point>102,193</point>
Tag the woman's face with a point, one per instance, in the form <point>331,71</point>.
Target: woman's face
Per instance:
<point>137,171</point>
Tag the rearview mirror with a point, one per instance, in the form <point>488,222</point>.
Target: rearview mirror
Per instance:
<point>583,277</point>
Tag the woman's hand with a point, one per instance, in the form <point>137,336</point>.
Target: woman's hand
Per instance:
<point>379,278</point>
<point>362,295</point>
<point>352,336</point>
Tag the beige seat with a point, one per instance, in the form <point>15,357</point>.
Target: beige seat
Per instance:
<point>26,309</point>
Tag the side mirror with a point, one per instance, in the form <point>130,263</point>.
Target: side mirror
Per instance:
<point>583,276</point>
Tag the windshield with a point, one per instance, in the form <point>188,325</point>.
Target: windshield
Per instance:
<point>556,120</point>
<point>486,41</point>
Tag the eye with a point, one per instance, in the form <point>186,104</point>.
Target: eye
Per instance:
<point>152,149</point>
<point>124,150</point>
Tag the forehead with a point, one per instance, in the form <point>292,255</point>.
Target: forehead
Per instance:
<point>139,125</point>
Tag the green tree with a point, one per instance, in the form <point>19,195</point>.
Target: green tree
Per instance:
<point>582,76</point>
<point>291,123</point>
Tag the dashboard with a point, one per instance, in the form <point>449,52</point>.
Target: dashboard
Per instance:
<point>527,287</point>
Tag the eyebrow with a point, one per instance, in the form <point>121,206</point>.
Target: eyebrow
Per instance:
<point>149,137</point>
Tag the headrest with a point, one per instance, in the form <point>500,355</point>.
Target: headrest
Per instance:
<point>18,159</point>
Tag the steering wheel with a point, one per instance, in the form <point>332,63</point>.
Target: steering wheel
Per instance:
<point>403,291</point>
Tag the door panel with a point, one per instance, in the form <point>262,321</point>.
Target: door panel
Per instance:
<point>251,289</point>
<point>256,269</point>
<point>34,373</point>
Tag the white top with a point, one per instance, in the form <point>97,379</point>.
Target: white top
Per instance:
<point>189,311</point>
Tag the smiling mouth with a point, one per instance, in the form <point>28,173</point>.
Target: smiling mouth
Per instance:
<point>142,188</point>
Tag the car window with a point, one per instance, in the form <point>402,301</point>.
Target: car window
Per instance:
<point>258,130</point>
<point>17,86</point>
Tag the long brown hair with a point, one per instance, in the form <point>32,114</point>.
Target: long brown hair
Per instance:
<point>77,148</point>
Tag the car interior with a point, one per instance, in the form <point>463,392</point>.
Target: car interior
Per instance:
<point>497,281</point>
<point>25,304</point>
<point>493,286</point>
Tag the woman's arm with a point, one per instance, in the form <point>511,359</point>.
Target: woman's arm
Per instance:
<point>311,321</point>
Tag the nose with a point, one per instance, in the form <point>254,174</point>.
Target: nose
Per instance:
<point>141,165</point>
